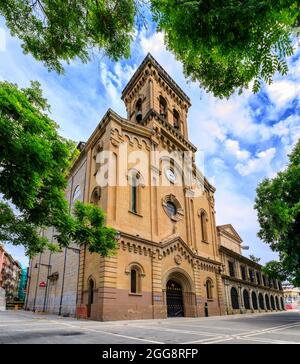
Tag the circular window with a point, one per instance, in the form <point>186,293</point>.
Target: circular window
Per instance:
<point>171,208</point>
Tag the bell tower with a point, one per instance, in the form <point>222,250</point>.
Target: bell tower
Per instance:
<point>152,90</point>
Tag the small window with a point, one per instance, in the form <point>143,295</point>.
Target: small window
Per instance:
<point>258,278</point>
<point>251,275</point>
<point>133,281</point>
<point>163,107</point>
<point>176,121</point>
<point>231,269</point>
<point>135,192</point>
<point>138,111</point>
<point>209,293</point>
<point>203,225</point>
<point>243,273</point>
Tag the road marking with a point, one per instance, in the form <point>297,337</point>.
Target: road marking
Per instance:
<point>204,341</point>
<point>115,334</point>
<point>270,341</point>
<point>175,330</point>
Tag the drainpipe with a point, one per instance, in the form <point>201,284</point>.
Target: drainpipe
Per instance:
<point>63,283</point>
<point>37,280</point>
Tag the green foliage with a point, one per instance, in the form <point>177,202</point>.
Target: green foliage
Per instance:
<point>54,31</point>
<point>34,163</point>
<point>254,258</point>
<point>90,228</point>
<point>227,44</point>
<point>275,270</point>
<point>278,208</point>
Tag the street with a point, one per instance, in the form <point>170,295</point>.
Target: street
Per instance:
<point>273,328</point>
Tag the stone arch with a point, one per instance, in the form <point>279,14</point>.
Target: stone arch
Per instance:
<point>254,300</point>
<point>261,301</point>
<point>272,302</point>
<point>234,296</point>
<point>184,283</point>
<point>267,299</point>
<point>277,303</point>
<point>246,299</point>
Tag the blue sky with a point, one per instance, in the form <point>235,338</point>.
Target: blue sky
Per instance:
<point>244,139</point>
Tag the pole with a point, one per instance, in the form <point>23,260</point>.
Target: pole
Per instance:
<point>37,280</point>
<point>63,282</point>
<point>47,281</point>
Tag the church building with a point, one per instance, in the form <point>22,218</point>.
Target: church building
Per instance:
<point>141,171</point>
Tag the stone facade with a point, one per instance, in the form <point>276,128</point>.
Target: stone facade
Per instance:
<point>168,262</point>
<point>246,288</point>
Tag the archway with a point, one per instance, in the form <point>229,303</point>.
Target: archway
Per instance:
<point>234,298</point>
<point>179,293</point>
<point>261,301</point>
<point>246,299</point>
<point>175,306</point>
<point>267,302</point>
<point>90,296</point>
<point>277,303</point>
<point>254,301</point>
<point>272,303</point>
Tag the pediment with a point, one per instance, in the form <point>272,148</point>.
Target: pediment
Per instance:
<point>229,229</point>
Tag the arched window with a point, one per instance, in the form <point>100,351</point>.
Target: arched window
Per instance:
<point>138,110</point>
<point>234,298</point>
<point>254,301</point>
<point>267,302</point>
<point>261,301</point>
<point>203,222</point>
<point>133,281</point>
<point>272,303</point>
<point>163,108</point>
<point>176,121</point>
<point>135,192</point>
<point>136,273</point>
<point>277,303</point>
<point>246,299</point>
<point>209,292</point>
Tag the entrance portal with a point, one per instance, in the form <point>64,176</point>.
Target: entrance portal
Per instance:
<point>174,299</point>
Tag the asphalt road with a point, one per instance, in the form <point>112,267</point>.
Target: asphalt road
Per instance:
<point>273,328</point>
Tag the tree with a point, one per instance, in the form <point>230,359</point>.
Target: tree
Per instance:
<point>225,45</point>
<point>54,31</point>
<point>278,207</point>
<point>254,258</point>
<point>34,162</point>
<point>274,270</point>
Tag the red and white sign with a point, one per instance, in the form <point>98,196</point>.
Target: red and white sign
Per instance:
<point>42,284</point>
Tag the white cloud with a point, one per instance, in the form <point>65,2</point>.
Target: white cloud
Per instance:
<point>282,92</point>
<point>233,147</point>
<point>262,162</point>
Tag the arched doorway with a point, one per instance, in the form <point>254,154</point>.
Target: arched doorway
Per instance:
<point>174,299</point>
<point>234,298</point>
<point>261,301</point>
<point>272,303</point>
<point>267,302</point>
<point>246,299</point>
<point>254,301</point>
<point>90,297</point>
<point>277,303</point>
<point>282,303</point>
